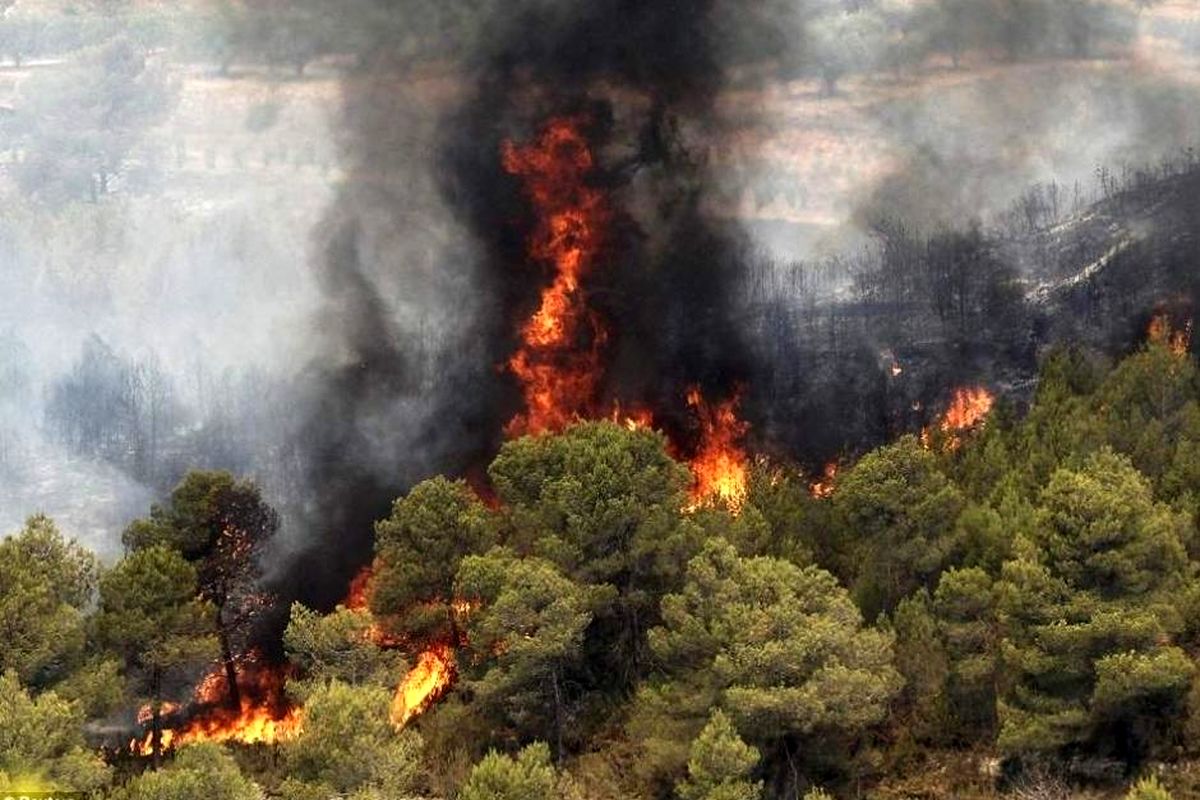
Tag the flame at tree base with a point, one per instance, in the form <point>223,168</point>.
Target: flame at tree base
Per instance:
<point>253,725</point>
<point>425,684</point>
<point>264,716</point>
<point>720,464</point>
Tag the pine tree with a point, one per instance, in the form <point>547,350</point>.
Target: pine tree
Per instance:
<point>1088,606</point>
<point>720,764</point>
<point>528,776</point>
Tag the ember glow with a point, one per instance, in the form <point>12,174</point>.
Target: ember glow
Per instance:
<point>265,715</point>
<point>558,362</point>
<point>1162,332</point>
<point>822,489</point>
<point>425,684</point>
<point>357,598</point>
<point>720,465</point>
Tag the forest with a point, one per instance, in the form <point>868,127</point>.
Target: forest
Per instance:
<point>1008,608</point>
<point>605,400</point>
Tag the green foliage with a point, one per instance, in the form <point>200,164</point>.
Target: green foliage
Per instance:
<point>220,525</point>
<point>525,639</point>
<point>595,500</point>
<point>149,613</point>
<point>150,618</point>
<point>348,744</point>
<point>798,523</point>
<point>1102,531</point>
<point>720,764</point>
<point>782,647</point>
<point>97,686</point>
<point>527,776</point>
<point>338,646</point>
<point>965,607</point>
<point>603,503</point>
<point>1089,608</point>
<point>922,660</point>
<point>1141,404</point>
<point>898,511</point>
<point>41,740</point>
<point>1034,591</point>
<point>947,650</point>
<point>1148,788</point>
<point>198,772</point>
<point>205,508</point>
<point>46,583</point>
<point>419,547</point>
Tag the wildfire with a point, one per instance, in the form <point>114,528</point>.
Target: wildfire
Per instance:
<point>435,670</point>
<point>720,463</point>
<point>424,685</point>
<point>265,715</point>
<point>1162,332</point>
<point>822,489</point>
<point>558,362</point>
<point>357,597</point>
<point>634,419</point>
<point>968,408</point>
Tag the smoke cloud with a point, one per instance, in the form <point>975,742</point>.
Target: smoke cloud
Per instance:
<point>312,269</point>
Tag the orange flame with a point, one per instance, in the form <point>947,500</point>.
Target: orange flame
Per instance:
<point>822,489</point>
<point>265,715</point>
<point>558,362</point>
<point>435,670</point>
<point>1162,332</point>
<point>358,596</point>
<point>424,685</point>
<point>720,464</point>
<point>634,419</point>
<point>968,408</point>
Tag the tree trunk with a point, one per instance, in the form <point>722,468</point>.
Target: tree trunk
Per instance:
<point>234,693</point>
<point>558,736</point>
<point>156,719</point>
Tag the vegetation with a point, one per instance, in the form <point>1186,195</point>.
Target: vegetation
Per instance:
<point>1027,591</point>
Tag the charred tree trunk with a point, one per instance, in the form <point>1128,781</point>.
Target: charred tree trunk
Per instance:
<point>156,718</point>
<point>234,693</point>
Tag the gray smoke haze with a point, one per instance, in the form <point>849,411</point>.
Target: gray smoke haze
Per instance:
<point>279,257</point>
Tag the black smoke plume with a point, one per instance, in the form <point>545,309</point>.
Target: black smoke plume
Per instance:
<point>400,396</point>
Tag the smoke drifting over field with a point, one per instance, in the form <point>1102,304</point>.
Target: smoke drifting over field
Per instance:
<point>317,280</point>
